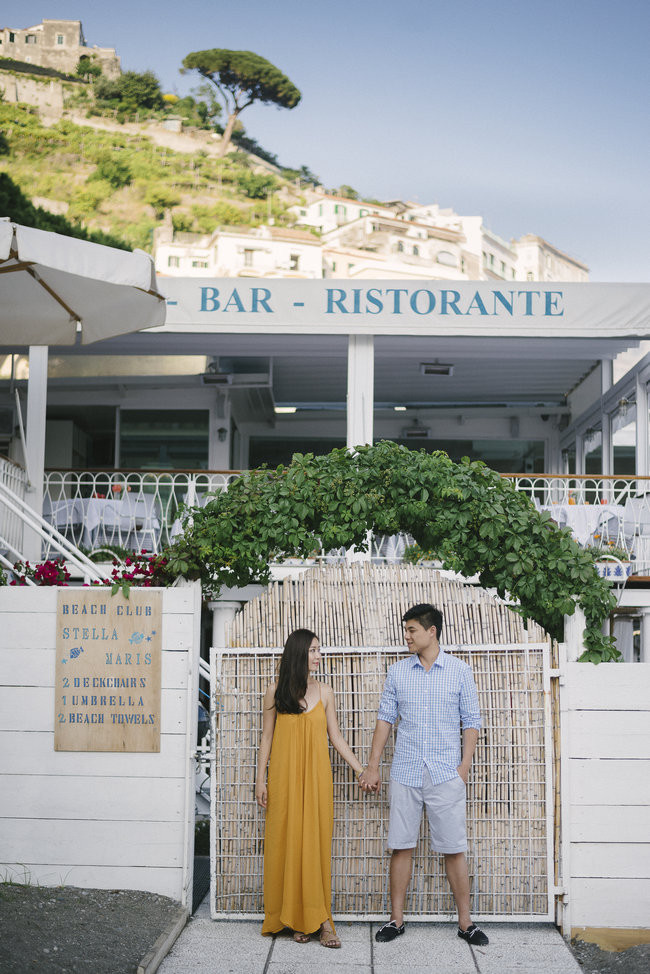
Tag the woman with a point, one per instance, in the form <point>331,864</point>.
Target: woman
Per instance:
<point>299,714</point>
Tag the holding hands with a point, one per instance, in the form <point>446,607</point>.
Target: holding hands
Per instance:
<point>370,780</point>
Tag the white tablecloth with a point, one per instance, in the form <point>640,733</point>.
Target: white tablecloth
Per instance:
<point>103,520</point>
<point>583,519</point>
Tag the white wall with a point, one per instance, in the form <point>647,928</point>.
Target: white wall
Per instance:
<point>606,795</point>
<point>96,820</point>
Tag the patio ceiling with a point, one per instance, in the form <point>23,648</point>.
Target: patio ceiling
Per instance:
<point>312,370</point>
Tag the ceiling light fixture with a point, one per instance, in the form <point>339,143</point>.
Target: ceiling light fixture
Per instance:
<point>436,368</point>
<point>416,432</point>
<point>284,409</point>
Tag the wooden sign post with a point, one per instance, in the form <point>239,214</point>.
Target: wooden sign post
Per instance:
<point>107,680</point>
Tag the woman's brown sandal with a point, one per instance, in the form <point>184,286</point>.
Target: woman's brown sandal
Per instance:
<point>301,938</point>
<point>327,936</point>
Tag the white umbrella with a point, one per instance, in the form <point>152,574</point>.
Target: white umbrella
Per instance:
<point>50,284</point>
<point>56,290</point>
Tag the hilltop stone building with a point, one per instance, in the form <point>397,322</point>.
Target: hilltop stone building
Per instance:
<point>57,44</point>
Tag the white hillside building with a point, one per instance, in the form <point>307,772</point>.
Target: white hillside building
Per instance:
<point>325,212</point>
<point>238,252</point>
<point>365,241</point>
<point>386,246</point>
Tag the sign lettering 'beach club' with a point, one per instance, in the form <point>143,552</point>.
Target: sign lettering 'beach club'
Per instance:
<point>108,671</point>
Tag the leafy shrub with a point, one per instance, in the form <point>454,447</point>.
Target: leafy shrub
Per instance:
<point>115,171</point>
<point>14,204</point>
<point>208,218</point>
<point>161,198</point>
<point>87,200</point>
<point>475,520</point>
<point>256,185</point>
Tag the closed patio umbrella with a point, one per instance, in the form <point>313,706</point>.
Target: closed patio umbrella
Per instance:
<point>57,290</point>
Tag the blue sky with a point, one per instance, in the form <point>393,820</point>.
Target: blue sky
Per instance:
<point>534,115</point>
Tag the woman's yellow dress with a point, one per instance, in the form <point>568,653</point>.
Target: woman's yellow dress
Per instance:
<point>299,823</point>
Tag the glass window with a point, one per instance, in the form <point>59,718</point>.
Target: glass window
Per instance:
<point>30,38</point>
<point>593,446</point>
<point>59,38</point>
<point>624,438</point>
<point>248,258</point>
<point>12,37</point>
<point>294,261</point>
<point>416,251</point>
<point>199,263</point>
<point>173,262</point>
<point>400,247</point>
<point>164,439</point>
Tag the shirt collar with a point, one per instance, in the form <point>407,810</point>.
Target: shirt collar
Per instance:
<point>440,659</point>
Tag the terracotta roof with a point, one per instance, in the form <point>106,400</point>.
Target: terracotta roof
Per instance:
<point>300,236</point>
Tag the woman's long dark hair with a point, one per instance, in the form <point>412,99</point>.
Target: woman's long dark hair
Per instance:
<point>294,672</point>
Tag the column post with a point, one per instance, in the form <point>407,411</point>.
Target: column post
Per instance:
<point>35,443</point>
<point>360,395</point>
<point>641,464</point>
<point>223,614</point>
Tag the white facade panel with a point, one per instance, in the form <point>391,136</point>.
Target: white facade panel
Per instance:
<point>102,820</point>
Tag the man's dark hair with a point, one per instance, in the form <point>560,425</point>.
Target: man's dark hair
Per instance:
<point>427,615</point>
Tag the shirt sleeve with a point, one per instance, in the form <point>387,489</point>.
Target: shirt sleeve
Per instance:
<point>470,711</point>
<point>388,703</point>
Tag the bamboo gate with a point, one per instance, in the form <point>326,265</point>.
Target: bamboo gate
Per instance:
<point>356,611</point>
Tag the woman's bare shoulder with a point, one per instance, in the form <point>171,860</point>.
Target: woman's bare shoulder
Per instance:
<point>270,691</point>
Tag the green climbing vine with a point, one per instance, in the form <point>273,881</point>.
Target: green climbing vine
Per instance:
<point>475,520</point>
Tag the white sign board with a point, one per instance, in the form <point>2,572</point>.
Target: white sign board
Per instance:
<point>256,306</point>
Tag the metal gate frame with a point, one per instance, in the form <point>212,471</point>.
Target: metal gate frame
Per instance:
<point>216,660</point>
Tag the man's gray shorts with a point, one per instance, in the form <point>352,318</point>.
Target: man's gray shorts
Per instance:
<point>445,805</point>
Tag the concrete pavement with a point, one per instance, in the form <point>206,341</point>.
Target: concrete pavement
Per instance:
<point>226,946</point>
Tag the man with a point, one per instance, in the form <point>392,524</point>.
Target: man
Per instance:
<point>432,693</point>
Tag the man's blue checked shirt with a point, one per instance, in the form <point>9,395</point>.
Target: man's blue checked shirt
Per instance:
<point>430,706</point>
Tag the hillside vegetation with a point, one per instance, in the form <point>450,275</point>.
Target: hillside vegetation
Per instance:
<point>120,184</point>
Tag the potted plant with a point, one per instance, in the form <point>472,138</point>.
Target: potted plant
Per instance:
<point>612,562</point>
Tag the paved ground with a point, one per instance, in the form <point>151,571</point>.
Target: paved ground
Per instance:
<point>231,946</point>
<point>63,930</point>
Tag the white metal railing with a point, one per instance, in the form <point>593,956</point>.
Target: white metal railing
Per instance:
<point>14,478</point>
<point>602,511</point>
<point>140,509</point>
<point>134,509</point>
<point>51,540</point>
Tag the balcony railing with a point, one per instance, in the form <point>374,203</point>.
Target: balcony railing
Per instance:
<point>133,509</point>
<point>139,509</point>
<point>11,526</point>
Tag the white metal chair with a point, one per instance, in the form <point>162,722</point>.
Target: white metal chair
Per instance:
<point>636,527</point>
<point>142,514</point>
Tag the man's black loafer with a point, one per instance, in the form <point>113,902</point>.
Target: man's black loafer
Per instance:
<point>389,931</point>
<point>473,935</point>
